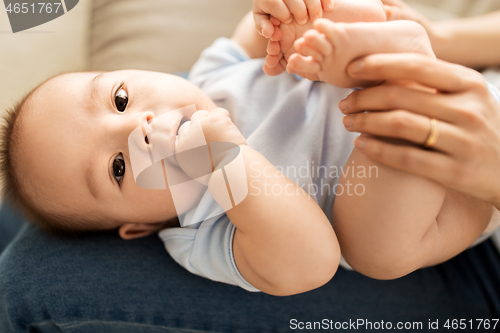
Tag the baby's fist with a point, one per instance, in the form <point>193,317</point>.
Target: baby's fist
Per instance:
<point>212,129</point>
<point>216,126</point>
<point>286,11</point>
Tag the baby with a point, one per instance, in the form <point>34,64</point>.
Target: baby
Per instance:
<point>66,161</point>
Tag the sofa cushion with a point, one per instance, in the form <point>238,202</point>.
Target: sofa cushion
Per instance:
<point>165,36</point>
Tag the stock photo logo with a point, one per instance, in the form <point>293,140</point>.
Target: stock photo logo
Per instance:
<point>24,15</point>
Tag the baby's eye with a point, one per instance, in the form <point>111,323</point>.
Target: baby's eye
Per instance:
<point>121,100</point>
<point>119,167</point>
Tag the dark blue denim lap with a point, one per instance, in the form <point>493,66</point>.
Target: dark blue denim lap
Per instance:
<point>104,284</point>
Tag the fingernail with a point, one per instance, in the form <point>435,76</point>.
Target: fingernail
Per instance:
<point>262,32</point>
<point>348,121</point>
<point>356,66</point>
<point>360,143</point>
<point>329,6</point>
<point>343,105</point>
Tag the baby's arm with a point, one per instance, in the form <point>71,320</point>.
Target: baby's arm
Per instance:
<point>283,244</point>
<point>248,39</point>
<point>398,222</point>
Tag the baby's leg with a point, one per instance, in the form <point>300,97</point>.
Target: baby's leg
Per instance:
<point>391,223</point>
<point>328,49</point>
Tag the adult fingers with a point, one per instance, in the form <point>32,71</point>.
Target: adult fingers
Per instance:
<point>274,20</point>
<point>445,107</point>
<point>426,163</point>
<point>408,126</point>
<point>429,72</point>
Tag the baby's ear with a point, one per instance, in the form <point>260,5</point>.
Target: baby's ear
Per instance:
<point>138,230</point>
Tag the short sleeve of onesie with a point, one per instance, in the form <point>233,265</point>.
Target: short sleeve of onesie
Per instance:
<point>206,250</point>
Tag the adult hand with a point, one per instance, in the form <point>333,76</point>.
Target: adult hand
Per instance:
<point>399,10</point>
<point>466,155</point>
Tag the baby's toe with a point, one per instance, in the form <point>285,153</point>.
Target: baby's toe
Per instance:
<point>327,27</point>
<point>298,63</point>
<point>306,50</point>
<point>315,40</point>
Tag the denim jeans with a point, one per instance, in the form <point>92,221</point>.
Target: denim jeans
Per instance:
<point>101,283</point>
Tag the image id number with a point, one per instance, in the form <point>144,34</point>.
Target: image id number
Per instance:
<point>41,7</point>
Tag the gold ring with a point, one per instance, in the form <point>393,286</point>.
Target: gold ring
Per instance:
<point>433,135</point>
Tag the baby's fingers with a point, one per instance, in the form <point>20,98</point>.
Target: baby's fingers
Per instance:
<point>314,8</point>
<point>298,63</point>
<point>276,8</point>
<point>274,65</point>
<point>263,25</point>
<point>298,9</point>
<point>273,48</point>
<point>275,71</point>
<point>273,60</point>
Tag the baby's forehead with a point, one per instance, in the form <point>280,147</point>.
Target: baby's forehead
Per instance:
<point>61,81</point>
<point>56,86</point>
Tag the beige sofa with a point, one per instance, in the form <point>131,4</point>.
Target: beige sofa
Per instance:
<point>108,35</point>
<point>161,35</point>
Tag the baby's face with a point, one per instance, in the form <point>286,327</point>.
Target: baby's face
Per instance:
<point>75,141</point>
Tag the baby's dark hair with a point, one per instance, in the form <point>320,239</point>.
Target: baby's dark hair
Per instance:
<point>14,192</point>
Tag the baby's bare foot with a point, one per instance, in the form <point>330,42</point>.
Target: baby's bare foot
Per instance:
<point>281,44</point>
<point>326,51</point>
